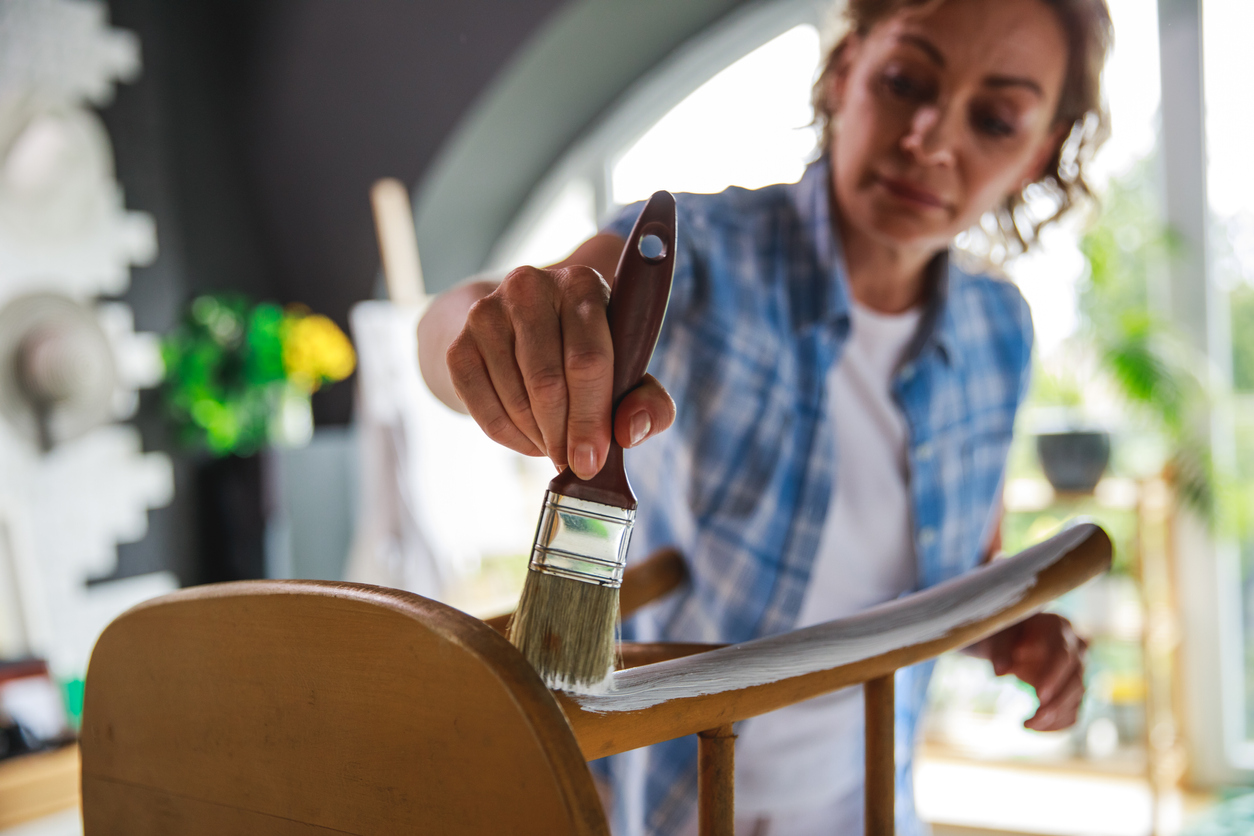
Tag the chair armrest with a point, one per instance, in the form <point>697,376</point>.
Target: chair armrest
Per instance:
<point>636,654</point>
<point>650,579</point>
<point>670,699</point>
<point>643,583</point>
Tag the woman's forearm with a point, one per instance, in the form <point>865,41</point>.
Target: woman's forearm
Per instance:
<point>437,329</point>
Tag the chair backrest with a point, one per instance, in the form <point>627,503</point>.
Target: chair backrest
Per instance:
<point>294,707</point>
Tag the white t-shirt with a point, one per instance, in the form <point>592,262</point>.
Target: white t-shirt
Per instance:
<point>808,756</point>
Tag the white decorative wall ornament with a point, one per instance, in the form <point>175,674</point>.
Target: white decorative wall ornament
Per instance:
<point>65,50</point>
<point>69,494</point>
<point>57,376</point>
<point>63,225</point>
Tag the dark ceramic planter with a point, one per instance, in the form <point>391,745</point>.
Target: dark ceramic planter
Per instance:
<point>231,518</point>
<point>1074,461</point>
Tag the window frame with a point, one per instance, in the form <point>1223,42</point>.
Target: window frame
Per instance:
<point>1209,597</point>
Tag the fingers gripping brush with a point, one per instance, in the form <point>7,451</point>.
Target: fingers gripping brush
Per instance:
<point>566,618</point>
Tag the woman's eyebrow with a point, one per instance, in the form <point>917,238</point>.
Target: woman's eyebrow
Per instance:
<point>928,48</point>
<point>925,45</point>
<point>1000,81</point>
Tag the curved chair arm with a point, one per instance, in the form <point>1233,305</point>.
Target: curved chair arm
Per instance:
<point>670,699</point>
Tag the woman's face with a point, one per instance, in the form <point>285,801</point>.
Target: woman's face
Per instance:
<point>941,114</point>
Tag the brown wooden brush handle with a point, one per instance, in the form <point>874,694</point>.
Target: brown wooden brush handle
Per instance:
<point>642,287</point>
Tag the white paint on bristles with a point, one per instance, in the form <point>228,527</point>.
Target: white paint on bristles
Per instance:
<point>921,617</point>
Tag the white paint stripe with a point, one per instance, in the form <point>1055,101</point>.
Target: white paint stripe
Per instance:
<point>921,617</point>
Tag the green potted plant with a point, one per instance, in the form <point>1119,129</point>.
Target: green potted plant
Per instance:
<point>239,376</point>
<point>1156,378</point>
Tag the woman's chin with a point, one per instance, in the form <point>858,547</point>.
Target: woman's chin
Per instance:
<point>882,221</point>
<point>907,231</point>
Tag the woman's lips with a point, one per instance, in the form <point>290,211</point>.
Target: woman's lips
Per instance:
<point>916,194</point>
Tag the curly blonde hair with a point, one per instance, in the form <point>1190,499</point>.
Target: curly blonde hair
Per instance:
<point>1010,228</point>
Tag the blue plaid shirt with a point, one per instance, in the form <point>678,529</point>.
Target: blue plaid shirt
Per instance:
<point>741,484</point>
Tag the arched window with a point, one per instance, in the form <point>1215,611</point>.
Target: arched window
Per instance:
<point>730,108</point>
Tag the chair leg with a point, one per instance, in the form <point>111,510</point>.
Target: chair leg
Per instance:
<point>716,786</point>
<point>881,766</point>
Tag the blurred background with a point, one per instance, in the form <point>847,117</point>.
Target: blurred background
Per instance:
<point>201,378</point>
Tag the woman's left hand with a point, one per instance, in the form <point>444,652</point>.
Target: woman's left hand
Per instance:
<point>1045,652</point>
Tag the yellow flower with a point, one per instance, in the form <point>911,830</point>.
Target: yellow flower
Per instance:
<point>315,350</point>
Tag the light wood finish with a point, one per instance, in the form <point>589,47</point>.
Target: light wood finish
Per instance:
<point>879,697</point>
<point>303,707</point>
<point>500,623</point>
<point>398,241</point>
<point>644,582</point>
<point>602,733</point>
<point>36,785</point>
<point>716,782</point>
<point>326,708</point>
<point>636,654</point>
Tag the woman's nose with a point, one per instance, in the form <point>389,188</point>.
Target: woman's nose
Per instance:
<point>930,139</point>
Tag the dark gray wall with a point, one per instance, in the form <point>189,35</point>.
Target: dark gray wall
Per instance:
<point>252,136</point>
<point>175,140</point>
<point>256,128</point>
<point>344,93</point>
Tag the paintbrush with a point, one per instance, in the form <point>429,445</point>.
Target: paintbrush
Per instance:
<point>566,619</point>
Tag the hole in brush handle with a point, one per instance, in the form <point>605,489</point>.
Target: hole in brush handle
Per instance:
<point>652,248</point>
<point>642,288</point>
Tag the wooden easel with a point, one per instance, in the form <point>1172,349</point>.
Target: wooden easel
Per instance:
<point>295,708</point>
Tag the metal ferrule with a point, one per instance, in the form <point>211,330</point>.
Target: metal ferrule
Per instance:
<point>581,540</point>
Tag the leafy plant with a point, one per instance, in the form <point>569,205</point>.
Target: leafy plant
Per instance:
<point>237,371</point>
<point>1154,373</point>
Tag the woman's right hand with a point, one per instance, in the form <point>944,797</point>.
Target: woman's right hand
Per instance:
<point>534,365</point>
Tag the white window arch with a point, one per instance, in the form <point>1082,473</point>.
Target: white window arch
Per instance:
<point>731,107</point>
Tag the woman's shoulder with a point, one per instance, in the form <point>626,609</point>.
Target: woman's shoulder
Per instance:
<point>979,288</point>
<point>991,323</point>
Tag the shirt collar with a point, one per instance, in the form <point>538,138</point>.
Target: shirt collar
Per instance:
<point>822,297</point>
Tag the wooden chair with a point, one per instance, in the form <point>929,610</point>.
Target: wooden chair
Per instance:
<point>293,708</point>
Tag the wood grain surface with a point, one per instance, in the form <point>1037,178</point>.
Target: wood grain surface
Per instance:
<point>879,700</point>
<point>716,782</point>
<point>606,732</point>
<point>303,708</point>
<point>330,707</point>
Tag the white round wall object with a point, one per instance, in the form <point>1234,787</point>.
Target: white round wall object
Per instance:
<point>57,375</point>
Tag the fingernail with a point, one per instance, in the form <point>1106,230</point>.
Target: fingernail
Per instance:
<point>584,461</point>
<point>641,423</point>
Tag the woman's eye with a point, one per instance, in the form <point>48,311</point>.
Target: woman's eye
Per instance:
<point>905,87</point>
<point>993,125</point>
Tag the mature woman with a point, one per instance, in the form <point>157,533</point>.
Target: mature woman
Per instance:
<point>844,393</point>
